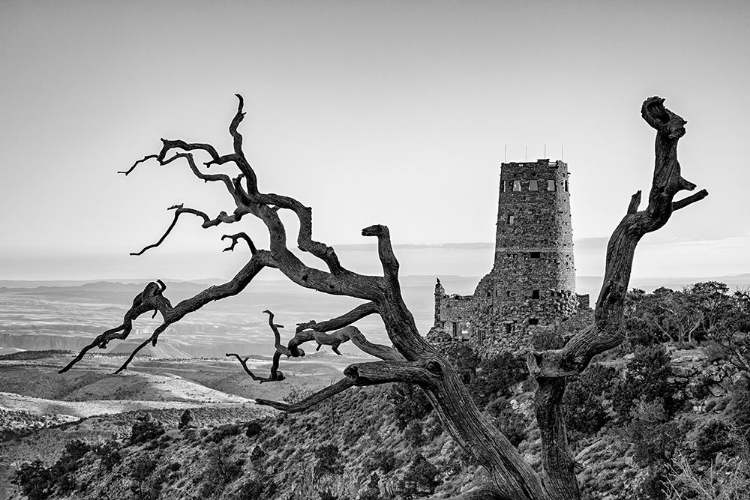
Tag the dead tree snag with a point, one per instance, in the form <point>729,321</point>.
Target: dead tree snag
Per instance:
<point>411,359</point>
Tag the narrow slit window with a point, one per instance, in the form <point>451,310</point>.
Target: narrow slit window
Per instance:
<point>550,185</point>
<point>516,185</point>
<point>566,186</point>
<point>511,219</point>
<point>533,185</point>
<point>505,186</point>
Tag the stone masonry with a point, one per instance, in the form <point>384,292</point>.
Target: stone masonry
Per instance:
<point>531,286</point>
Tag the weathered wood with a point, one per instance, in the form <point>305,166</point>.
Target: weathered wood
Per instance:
<point>412,359</point>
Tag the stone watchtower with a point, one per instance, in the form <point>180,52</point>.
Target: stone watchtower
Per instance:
<point>532,282</point>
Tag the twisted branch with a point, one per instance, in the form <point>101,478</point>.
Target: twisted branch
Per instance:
<point>207,222</point>
<point>151,299</point>
<point>362,374</point>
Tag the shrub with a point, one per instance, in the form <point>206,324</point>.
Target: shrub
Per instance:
<point>583,402</point>
<point>495,377</point>
<point>463,358</point>
<point>413,434</point>
<point>328,460</point>
<point>653,437</point>
<point>409,403</point>
<point>224,431</point>
<point>250,490</point>
<point>186,419</point>
<point>382,459</point>
<point>109,455</point>
<point>647,379</point>
<point>34,480</point>
<point>253,429</point>
<point>420,479</point>
<point>741,409</point>
<point>145,429</point>
<point>652,486</point>
<point>508,421</point>
<point>714,437</point>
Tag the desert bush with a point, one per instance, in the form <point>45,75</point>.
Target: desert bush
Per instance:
<point>145,429</point>
<point>413,434</point>
<point>186,419</point>
<point>257,453</point>
<point>463,358</point>
<point>372,489</point>
<point>141,470</point>
<point>495,376</point>
<point>654,438</point>
<point>253,429</point>
<point>721,480</point>
<point>647,379</point>
<point>420,479</point>
<point>382,459</point>
<point>507,420</point>
<point>224,431</point>
<point>34,480</point>
<point>714,437</point>
<point>250,490</point>
<point>652,486</point>
<point>109,455</point>
<point>328,460</point>
<point>740,409</point>
<point>409,403</point>
<point>583,402</point>
<point>297,394</point>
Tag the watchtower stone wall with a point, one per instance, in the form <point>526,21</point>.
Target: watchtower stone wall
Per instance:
<point>532,282</point>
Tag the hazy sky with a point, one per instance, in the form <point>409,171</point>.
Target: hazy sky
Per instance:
<point>396,113</point>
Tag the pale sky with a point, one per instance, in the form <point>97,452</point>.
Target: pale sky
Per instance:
<point>396,113</point>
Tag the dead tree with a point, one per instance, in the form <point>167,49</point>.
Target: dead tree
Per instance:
<point>411,359</point>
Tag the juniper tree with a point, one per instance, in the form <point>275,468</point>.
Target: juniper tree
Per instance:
<point>410,358</point>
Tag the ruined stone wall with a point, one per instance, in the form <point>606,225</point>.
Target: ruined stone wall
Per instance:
<point>532,282</point>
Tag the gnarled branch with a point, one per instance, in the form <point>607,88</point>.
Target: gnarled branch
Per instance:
<point>151,299</point>
<point>362,374</point>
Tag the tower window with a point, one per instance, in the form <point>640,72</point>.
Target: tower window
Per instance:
<point>535,294</point>
<point>533,321</point>
<point>505,187</point>
<point>536,255</point>
<point>511,219</point>
<point>508,328</point>
<point>550,185</point>
<point>533,185</point>
<point>516,185</point>
<point>566,186</point>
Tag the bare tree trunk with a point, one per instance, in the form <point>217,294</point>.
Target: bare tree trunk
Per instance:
<point>411,359</point>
